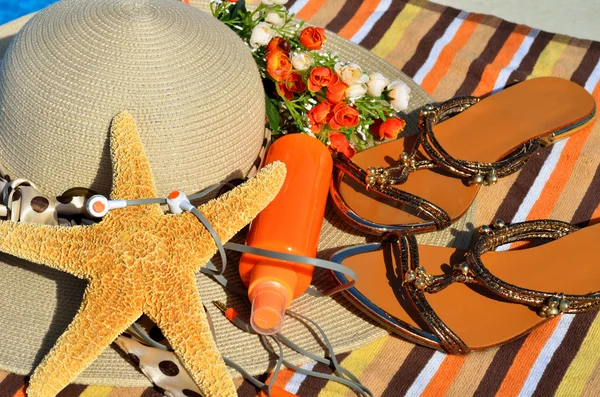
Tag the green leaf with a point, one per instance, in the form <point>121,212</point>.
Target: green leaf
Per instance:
<point>240,6</point>
<point>272,114</point>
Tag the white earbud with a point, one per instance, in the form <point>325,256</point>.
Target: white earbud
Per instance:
<point>178,202</point>
<point>98,205</point>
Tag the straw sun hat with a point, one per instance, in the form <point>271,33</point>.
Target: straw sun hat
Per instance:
<point>195,91</point>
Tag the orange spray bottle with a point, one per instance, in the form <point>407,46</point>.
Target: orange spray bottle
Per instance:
<point>290,224</point>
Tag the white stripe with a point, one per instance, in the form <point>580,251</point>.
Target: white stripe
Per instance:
<point>592,81</point>
<point>540,181</point>
<point>538,185</point>
<point>419,385</point>
<point>516,60</point>
<point>295,382</point>
<point>371,21</point>
<point>298,5</point>
<point>439,46</point>
<point>537,370</point>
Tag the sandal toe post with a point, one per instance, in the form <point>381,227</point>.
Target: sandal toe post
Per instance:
<point>458,301</point>
<point>426,182</point>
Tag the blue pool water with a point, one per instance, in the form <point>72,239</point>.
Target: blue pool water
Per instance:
<point>12,9</point>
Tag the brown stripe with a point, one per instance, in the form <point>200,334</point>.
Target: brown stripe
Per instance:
<point>564,355</point>
<point>589,203</point>
<point>247,389</point>
<point>486,57</point>
<point>528,62</point>
<point>345,14</point>
<point>408,372</point>
<point>72,391</point>
<point>383,24</point>
<point>587,65</point>
<point>11,384</point>
<point>522,184</point>
<point>311,385</point>
<point>152,392</point>
<point>289,4</point>
<point>428,40</point>
<point>498,368</point>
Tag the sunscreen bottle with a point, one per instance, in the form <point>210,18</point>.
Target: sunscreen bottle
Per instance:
<point>290,224</point>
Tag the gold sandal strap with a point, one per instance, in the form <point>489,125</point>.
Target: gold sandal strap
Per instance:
<point>416,281</point>
<point>550,304</point>
<point>384,187</point>
<point>477,172</point>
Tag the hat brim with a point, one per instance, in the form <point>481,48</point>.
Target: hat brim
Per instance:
<point>38,303</point>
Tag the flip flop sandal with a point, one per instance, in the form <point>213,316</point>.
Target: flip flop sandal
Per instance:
<point>481,298</point>
<point>464,143</point>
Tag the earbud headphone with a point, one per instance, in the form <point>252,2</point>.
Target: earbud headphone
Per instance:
<point>98,205</point>
<point>178,202</point>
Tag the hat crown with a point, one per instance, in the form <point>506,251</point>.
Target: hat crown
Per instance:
<point>189,81</point>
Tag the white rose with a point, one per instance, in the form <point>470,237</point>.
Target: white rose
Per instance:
<point>356,90</point>
<point>377,82</point>
<point>350,73</point>
<point>302,60</point>
<point>261,35</point>
<point>398,94</point>
<point>274,19</point>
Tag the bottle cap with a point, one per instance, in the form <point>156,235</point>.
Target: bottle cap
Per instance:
<point>269,301</point>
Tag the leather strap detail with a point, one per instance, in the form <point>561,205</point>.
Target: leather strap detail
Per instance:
<point>550,303</point>
<point>409,262</point>
<point>430,211</point>
<point>488,172</point>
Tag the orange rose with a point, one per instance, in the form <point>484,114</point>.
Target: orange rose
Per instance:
<point>321,77</point>
<point>343,116</point>
<point>292,83</point>
<point>278,44</point>
<point>338,143</point>
<point>390,128</point>
<point>320,115</point>
<point>312,38</point>
<point>336,92</point>
<point>278,65</point>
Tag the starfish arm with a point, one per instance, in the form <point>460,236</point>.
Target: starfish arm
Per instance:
<point>106,312</point>
<point>132,176</point>
<point>231,212</point>
<point>177,310</point>
<point>59,247</point>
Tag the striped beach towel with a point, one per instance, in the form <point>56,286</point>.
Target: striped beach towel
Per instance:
<point>453,53</point>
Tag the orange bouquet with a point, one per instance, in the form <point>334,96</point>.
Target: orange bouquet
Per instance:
<point>309,90</point>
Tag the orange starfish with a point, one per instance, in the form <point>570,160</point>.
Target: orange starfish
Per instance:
<point>138,260</point>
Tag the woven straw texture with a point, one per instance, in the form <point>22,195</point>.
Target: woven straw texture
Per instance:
<point>30,152</point>
<point>188,80</point>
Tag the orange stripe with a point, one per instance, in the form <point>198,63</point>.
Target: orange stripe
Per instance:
<point>595,216</point>
<point>529,352</point>
<point>282,379</point>
<point>20,393</point>
<point>492,71</point>
<point>444,377</point>
<point>310,9</point>
<point>561,174</point>
<point>444,61</point>
<point>358,20</point>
